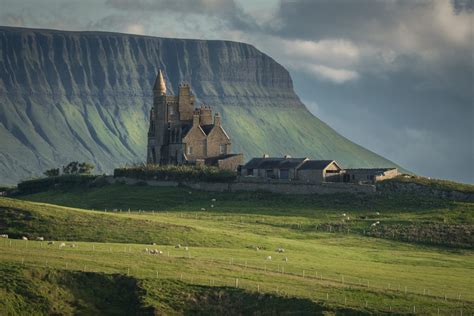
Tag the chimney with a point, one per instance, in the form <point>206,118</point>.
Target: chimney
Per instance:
<point>265,156</point>
<point>196,118</point>
<point>287,157</point>
<point>217,119</point>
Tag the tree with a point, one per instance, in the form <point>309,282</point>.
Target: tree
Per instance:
<point>85,168</point>
<point>52,172</point>
<point>75,167</point>
<point>71,168</point>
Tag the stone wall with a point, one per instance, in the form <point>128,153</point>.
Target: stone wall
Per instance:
<point>388,187</point>
<point>284,188</point>
<point>230,163</point>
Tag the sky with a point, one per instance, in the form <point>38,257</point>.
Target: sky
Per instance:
<point>396,77</point>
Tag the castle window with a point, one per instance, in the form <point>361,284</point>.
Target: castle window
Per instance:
<point>222,149</point>
<point>190,150</point>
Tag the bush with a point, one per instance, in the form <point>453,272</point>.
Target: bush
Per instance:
<point>176,173</point>
<point>44,184</point>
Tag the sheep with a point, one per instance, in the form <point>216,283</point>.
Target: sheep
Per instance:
<point>24,238</point>
<point>285,259</point>
<point>269,258</point>
<point>280,250</point>
<point>160,252</point>
<point>213,200</point>
<point>344,214</point>
<point>257,248</point>
<point>50,242</point>
<point>203,209</point>
<point>186,248</point>
<point>178,246</point>
<point>377,213</point>
<point>73,246</point>
<point>146,250</point>
<point>62,245</point>
<point>40,238</point>
<point>4,236</point>
<point>153,244</point>
<point>212,205</point>
<point>189,192</point>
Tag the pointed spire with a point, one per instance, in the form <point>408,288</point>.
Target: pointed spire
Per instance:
<point>160,85</point>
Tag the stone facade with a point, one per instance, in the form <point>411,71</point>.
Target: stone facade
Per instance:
<point>302,170</point>
<point>179,133</point>
<point>370,175</point>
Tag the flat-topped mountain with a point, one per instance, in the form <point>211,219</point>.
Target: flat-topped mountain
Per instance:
<point>86,96</point>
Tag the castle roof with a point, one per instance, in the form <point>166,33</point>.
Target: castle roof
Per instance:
<point>207,128</point>
<point>160,84</point>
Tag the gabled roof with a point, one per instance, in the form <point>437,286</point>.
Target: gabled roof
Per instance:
<point>270,163</point>
<point>316,164</point>
<point>207,128</point>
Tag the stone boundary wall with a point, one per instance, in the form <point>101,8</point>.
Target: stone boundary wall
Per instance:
<point>409,187</point>
<point>284,188</point>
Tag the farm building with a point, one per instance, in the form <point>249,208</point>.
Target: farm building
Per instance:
<point>369,175</point>
<point>318,171</point>
<point>292,169</point>
<point>284,168</point>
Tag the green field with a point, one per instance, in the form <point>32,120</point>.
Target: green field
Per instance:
<point>331,263</point>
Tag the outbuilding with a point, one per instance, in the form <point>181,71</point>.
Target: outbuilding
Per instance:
<point>369,175</point>
<point>318,171</point>
<point>284,168</point>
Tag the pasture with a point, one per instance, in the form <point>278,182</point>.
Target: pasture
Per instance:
<point>330,263</point>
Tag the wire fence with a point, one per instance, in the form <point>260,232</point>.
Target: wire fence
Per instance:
<point>319,285</point>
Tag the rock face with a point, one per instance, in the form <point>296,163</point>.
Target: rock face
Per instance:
<point>85,96</point>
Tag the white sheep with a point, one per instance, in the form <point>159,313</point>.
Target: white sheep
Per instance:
<point>24,238</point>
<point>186,248</point>
<point>178,246</point>
<point>212,205</point>
<point>40,238</point>
<point>4,236</point>
<point>203,209</point>
<point>73,246</point>
<point>62,245</point>
<point>269,258</point>
<point>285,259</point>
<point>344,214</point>
<point>377,213</point>
<point>50,242</point>
<point>160,252</point>
<point>146,250</point>
<point>213,200</point>
<point>280,250</point>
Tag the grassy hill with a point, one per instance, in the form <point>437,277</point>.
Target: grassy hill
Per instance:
<point>333,264</point>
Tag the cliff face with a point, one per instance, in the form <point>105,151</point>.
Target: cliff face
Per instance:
<point>85,96</point>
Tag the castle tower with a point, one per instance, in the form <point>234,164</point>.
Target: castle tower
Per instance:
<point>186,103</point>
<point>160,86</point>
<point>158,119</point>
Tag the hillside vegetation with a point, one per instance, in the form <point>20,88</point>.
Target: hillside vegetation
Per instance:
<point>330,263</point>
<point>69,96</point>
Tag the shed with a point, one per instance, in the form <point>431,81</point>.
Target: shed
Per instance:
<point>318,171</point>
<point>272,167</point>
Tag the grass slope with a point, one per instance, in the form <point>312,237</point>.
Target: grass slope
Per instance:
<point>336,270</point>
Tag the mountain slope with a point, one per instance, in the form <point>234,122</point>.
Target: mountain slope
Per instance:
<point>86,95</point>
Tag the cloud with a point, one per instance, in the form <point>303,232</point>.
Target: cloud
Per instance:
<point>335,75</point>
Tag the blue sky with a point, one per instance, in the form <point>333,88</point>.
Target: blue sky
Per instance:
<point>394,76</point>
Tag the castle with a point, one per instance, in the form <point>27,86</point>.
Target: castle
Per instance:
<point>181,134</point>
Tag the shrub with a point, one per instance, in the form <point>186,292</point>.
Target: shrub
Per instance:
<point>176,173</point>
<point>44,184</point>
